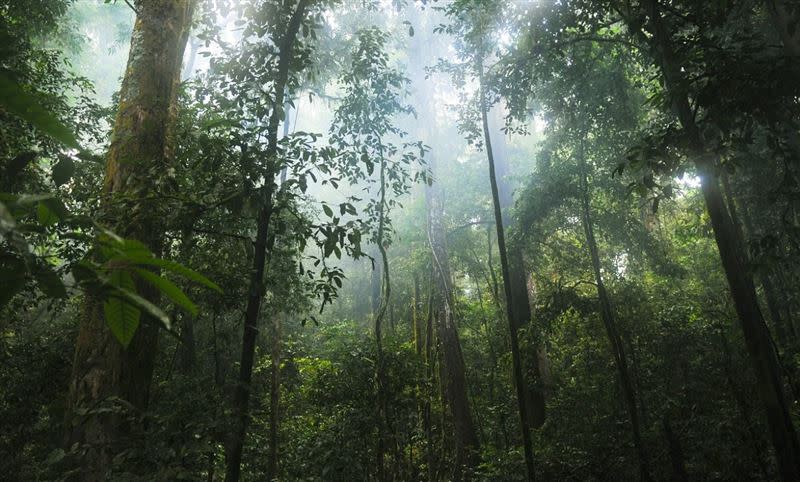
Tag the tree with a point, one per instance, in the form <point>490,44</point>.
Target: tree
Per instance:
<point>139,153</point>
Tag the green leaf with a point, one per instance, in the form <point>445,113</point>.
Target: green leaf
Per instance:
<point>174,267</point>
<point>327,210</point>
<point>28,106</point>
<point>122,318</point>
<point>12,277</point>
<point>49,282</point>
<point>169,289</point>
<point>152,310</point>
<point>45,215</point>
<point>63,171</point>
<point>50,211</point>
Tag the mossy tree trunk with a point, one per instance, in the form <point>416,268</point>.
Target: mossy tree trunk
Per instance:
<point>136,176</point>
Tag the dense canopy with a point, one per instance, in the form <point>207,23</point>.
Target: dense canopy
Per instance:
<point>398,240</point>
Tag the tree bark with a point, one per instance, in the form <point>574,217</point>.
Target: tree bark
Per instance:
<point>241,397</point>
<point>513,321</point>
<point>756,335</point>
<point>102,368</point>
<point>607,315</point>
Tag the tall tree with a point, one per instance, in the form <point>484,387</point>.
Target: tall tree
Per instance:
<point>137,173</point>
<point>455,383</point>
<point>659,38</point>
<point>233,454</point>
<point>607,314</point>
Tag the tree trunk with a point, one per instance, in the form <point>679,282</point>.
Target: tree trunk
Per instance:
<point>380,314</point>
<point>607,315</point>
<point>465,437</point>
<point>274,396</point>
<point>511,308</point>
<point>756,335</point>
<point>427,422</point>
<point>521,307</point>
<point>140,145</point>
<point>241,398</point>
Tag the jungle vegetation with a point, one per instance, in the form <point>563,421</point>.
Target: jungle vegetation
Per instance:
<point>398,240</point>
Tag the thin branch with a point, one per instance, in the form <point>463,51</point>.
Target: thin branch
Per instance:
<point>132,7</point>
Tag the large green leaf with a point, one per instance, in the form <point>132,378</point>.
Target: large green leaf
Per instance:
<point>174,267</point>
<point>122,318</point>
<point>152,310</point>
<point>121,315</point>
<point>28,106</point>
<point>169,289</point>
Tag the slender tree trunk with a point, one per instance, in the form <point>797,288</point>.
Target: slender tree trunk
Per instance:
<point>140,145</point>
<point>534,395</point>
<point>465,437</point>
<point>241,398</point>
<point>274,396</point>
<point>513,321</point>
<point>380,314</point>
<point>756,335</point>
<point>427,422</point>
<point>607,315</point>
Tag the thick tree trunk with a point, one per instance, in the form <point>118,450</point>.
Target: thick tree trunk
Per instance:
<point>465,437</point>
<point>233,455</point>
<point>102,368</point>
<point>607,315</point>
<point>518,377</point>
<point>759,346</point>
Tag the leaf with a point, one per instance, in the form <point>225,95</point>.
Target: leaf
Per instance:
<point>151,309</point>
<point>63,171</point>
<point>327,210</point>
<point>122,318</point>
<point>49,282</point>
<point>50,211</point>
<point>169,289</point>
<point>12,277</point>
<point>178,268</point>
<point>45,216</point>
<point>28,106</point>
